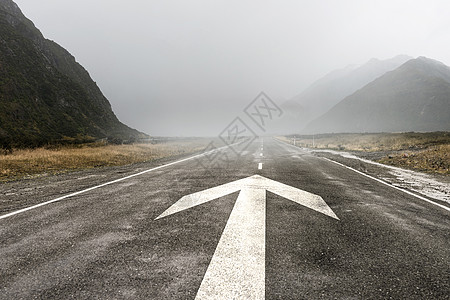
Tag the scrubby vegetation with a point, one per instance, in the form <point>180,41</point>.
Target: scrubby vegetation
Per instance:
<point>434,159</point>
<point>429,152</point>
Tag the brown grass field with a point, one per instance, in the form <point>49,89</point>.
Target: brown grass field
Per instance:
<point>435,159</point>
<point>426,152</point>
<point>52,160</point>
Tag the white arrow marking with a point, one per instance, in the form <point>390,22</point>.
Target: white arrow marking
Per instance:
<point>237,269</point>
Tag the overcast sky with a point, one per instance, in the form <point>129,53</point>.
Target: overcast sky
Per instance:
<point>189,67</point>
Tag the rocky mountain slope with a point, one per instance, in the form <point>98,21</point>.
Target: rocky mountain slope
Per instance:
<point>413,97</point>
<point>45,95</point>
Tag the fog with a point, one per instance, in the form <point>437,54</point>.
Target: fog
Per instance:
<point>186,68</point>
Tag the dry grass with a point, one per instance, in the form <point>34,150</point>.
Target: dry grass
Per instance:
<point>435,159</point>
<point>372,142</point>
<point>27,162</point>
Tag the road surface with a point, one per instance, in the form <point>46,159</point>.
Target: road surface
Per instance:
<point>108,242</point>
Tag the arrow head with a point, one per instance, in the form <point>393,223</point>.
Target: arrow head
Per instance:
<point>202,197</point>
<point>298,196</point>
<point>304,198</point>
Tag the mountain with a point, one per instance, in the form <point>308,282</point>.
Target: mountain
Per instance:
<point>413,97</point>
<point>332,88</point>
<point>45,95</point>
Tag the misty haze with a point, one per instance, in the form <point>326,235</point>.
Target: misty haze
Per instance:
<point>186,68</point>
<point>224,149</point>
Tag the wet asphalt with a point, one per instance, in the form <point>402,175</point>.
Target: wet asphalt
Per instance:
<point>106,244</point>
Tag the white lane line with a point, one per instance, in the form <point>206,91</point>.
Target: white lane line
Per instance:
<point>390,185</point>
<point>260,154</point>
<point>105,184</point>
<point>260,166</point>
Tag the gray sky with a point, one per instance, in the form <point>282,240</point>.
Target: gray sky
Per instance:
<point>189,67</point>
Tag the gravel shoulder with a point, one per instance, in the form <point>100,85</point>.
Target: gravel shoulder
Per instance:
<point>432,186</point>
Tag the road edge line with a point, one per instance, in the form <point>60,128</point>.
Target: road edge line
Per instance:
<point>376,179</point>
<point>108,183</point>
<point>388,184</point>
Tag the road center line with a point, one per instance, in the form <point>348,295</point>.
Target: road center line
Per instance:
<point>260,166</point>
<point>390,185</point>
<point>108,183</point>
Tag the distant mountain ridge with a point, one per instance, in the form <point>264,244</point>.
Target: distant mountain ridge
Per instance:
<point>413,97</point>
<point>332,88</point>
<point>45,95</point>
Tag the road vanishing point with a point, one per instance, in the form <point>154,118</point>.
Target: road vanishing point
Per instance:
<point>276,222</point>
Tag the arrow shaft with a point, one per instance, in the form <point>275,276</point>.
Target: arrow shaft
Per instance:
<point>237,269</point>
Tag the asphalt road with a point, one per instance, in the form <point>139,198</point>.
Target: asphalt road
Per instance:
<point>107,243</point>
